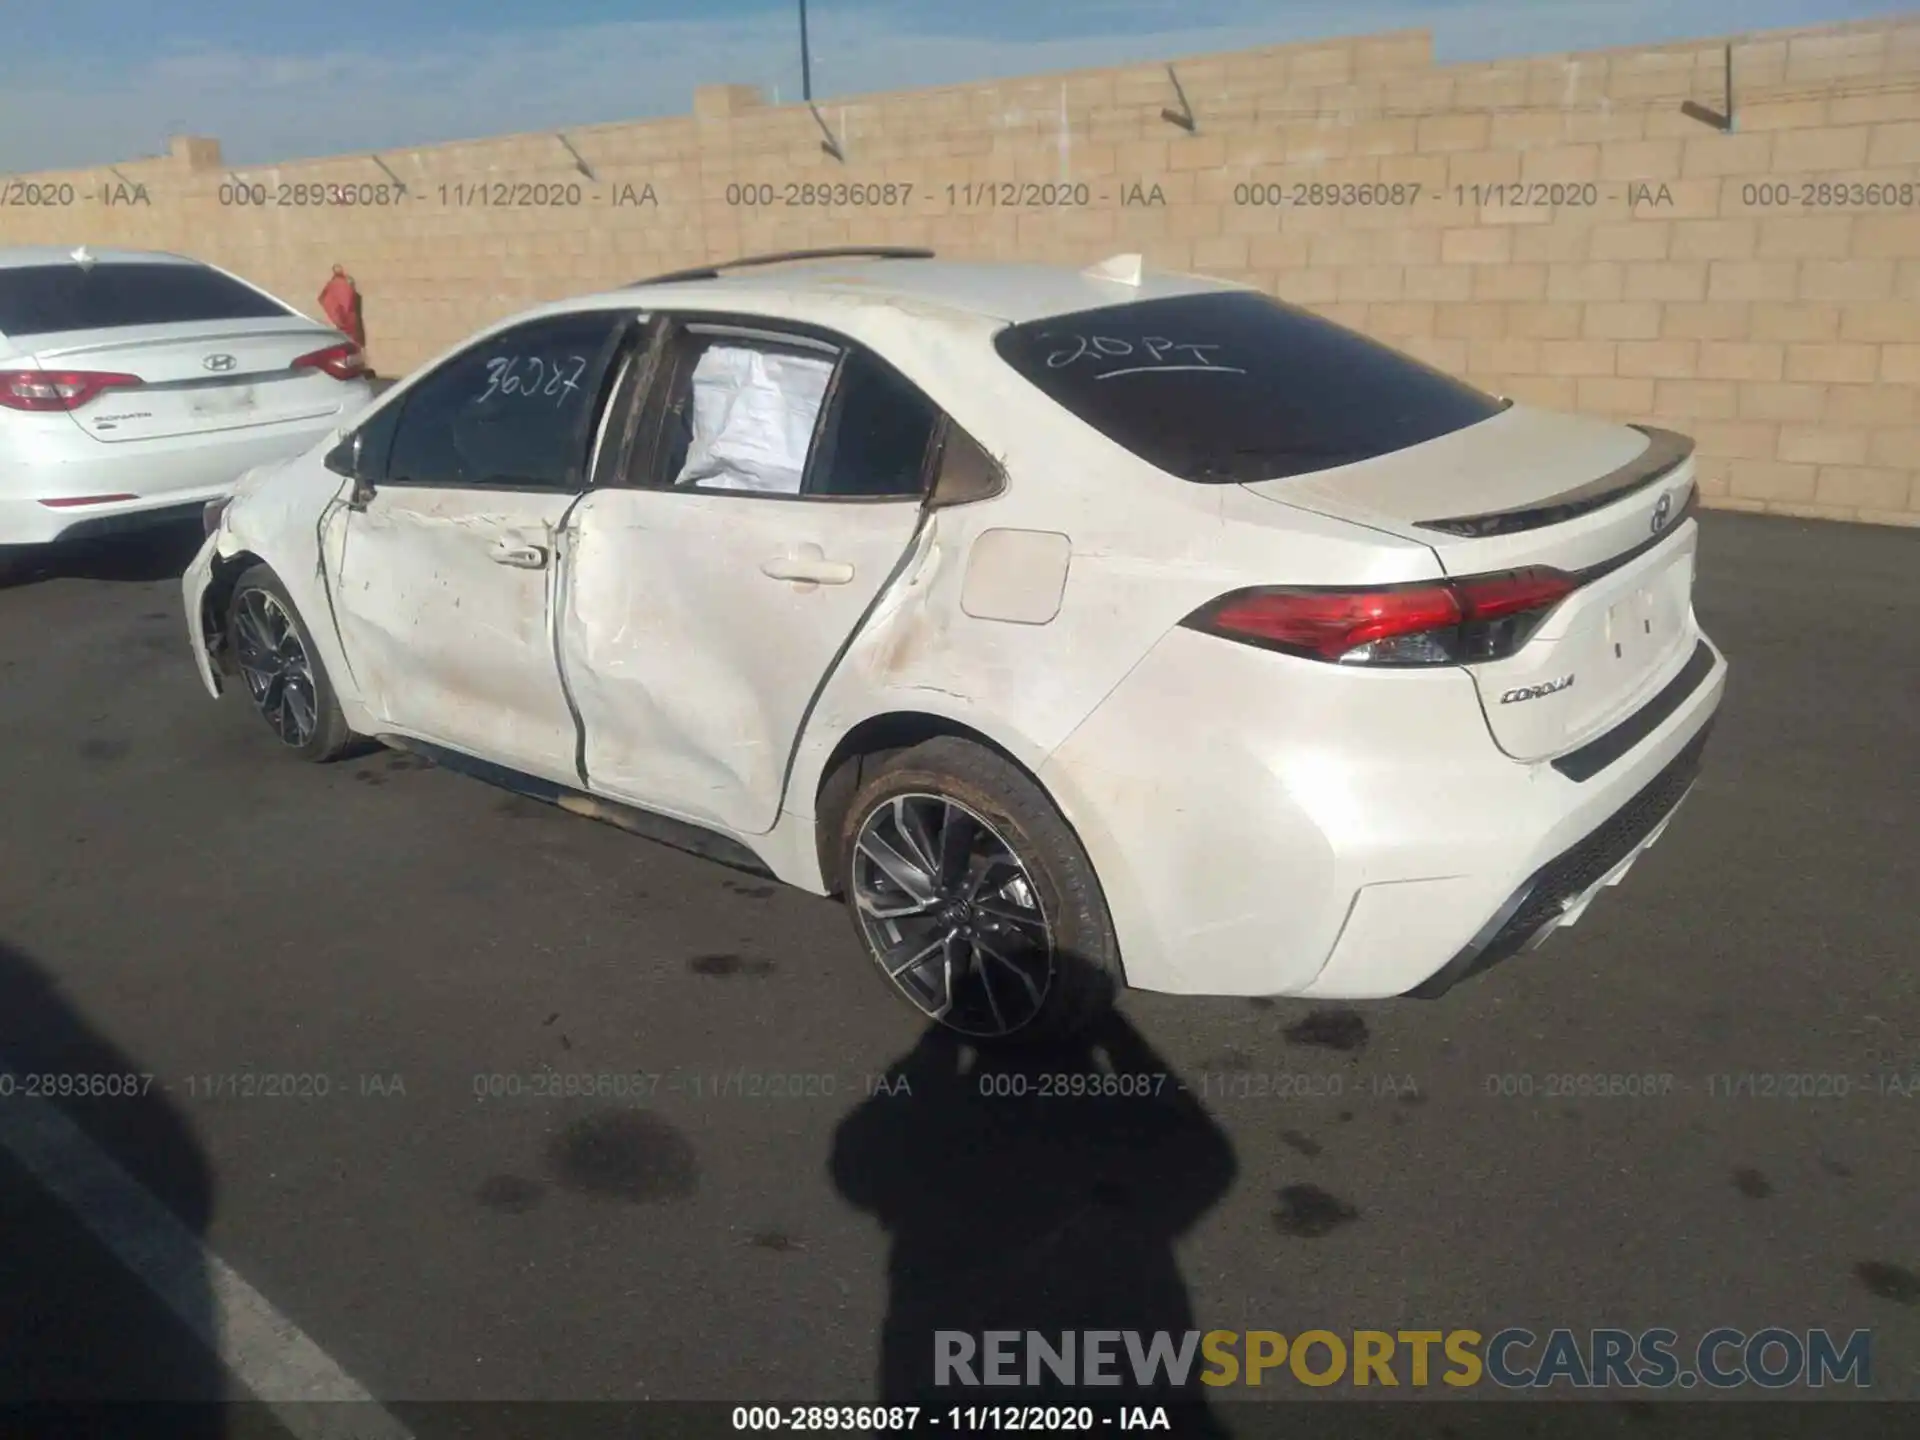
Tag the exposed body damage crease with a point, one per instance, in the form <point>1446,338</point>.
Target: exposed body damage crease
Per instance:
<point>333,508</point>
<point>895,594</point>
<point>450,644</point>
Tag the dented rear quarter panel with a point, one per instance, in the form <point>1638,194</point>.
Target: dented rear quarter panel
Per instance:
<point>1145,551</point>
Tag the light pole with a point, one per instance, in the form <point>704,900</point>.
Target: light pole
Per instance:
<point>806,60</point>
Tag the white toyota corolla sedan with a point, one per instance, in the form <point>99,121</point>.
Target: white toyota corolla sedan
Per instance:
<point>135,386</point>
<point>1077,627</point>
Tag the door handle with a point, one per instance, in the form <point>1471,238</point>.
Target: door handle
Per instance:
<point>521,557</point>
<point>808,570</point>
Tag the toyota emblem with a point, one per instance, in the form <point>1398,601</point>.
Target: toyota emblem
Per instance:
<point>219,362</point>
<point>1661,512</point>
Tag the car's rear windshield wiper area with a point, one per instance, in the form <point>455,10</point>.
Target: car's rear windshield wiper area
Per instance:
<point>1234,387</point>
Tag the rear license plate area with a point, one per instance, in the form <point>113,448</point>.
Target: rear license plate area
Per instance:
<point>1630,624</point>
<point>226,400</point>
<point>1644,622</point>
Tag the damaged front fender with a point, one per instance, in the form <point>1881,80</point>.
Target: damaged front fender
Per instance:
<point>194,588</point>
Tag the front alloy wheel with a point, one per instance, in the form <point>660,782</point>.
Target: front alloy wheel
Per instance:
<point>276,666</point>
<point>952,916</point>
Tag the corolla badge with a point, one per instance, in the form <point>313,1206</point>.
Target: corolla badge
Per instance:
<point>219,363</point>
<point>1662,511</point>
<point>1534,692</point>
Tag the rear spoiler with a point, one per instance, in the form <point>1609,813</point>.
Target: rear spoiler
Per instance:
<point>1666,451</point>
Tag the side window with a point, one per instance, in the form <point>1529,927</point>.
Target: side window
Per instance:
<point>515,412</point>
<point>963,471</point>
<point>877,436</point>
<point>739,414</point>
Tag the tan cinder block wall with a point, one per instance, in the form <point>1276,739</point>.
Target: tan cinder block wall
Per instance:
<point>1554,228</point>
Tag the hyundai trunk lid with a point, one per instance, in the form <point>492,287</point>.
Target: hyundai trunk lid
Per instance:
<point>198,376</point>
<point>1605,503</point>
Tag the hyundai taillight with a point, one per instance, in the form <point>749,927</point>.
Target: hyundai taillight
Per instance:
<point>342,362</point>
<point>1440,622</point>
<point>58,389</point>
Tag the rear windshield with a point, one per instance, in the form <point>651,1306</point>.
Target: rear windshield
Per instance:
<point>1235,387</point>
<point>41,299</point>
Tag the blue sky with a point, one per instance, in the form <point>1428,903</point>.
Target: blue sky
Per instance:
<point>86,82</point>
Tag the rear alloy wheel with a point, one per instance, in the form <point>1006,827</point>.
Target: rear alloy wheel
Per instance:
<point>952,916</point>
<point>975,900</point>
<point>284,677</point>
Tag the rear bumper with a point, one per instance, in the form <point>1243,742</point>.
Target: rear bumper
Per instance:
<point>133,520</point>
<point>27,522</point>
<point>1264,826</point>
<point>166,478</point>
<point>1559,892</point>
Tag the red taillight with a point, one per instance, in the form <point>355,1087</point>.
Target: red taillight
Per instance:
<point>342,362</point>
<point>1493,597</point>
<point>58,389</point>
<point>1451,622</point>
<point>1328,623</point>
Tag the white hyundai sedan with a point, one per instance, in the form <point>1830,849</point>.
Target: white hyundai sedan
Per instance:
<point>1077,627</point>
<point>136,386</point>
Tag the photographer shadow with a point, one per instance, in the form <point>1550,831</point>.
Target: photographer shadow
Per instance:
<point>1014,1207</point>
<point>86,1346</point>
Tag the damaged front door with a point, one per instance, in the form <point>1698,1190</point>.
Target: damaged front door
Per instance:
<point>445,571</point>
<point>772,489</point>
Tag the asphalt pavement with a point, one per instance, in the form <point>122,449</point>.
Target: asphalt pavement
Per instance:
<point>347,982</point>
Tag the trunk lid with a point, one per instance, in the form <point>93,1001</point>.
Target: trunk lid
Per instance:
<point>1607,503</point>
<point>201,376</point>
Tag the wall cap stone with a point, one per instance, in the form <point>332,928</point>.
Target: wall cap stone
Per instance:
<point>195,152</point>
<point>723,102</point>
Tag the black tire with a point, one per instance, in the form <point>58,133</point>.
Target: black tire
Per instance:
<point>1083,966</point>
<point>325,735</point>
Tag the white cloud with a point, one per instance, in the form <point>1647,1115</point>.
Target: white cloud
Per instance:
<point>370,95</point>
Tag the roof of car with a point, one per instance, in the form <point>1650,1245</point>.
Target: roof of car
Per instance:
<point>13,257</point>
<point>1008,292</point>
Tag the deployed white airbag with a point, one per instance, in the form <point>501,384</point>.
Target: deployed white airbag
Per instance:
<point>753,416</point>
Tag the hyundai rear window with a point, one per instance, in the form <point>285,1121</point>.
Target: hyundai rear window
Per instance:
<point>42,299</point>
<point>1234,387</point>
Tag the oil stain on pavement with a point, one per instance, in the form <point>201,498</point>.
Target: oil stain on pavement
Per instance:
<point>724,966</point>
<point>631,1155</point>
<point>1309,1213</point>
<point>1341,1030</point>
<point>511,1194</point>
